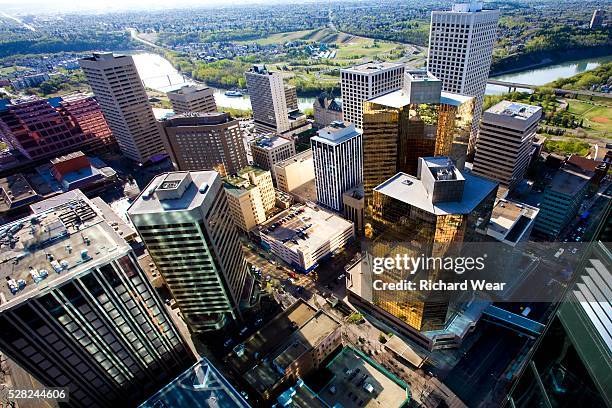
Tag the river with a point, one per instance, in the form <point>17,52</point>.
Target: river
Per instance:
<point>158,73</point>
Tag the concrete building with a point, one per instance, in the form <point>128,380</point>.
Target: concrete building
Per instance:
<point>353,207</point>
<point>597,21</point>
<point>16,192</point>
<point>326,110</point>
<point>185,222</point>
<point>418,120</point>
<point>191,98</point>
<point>572,361</point>
<point>460,52</point>
<point>432,214</point>
<point>44,128</point>
<point>561,201</point>
<point>268,99</point>
<point>337,160</point>
<point>201,386</point>
<point>367,81</point>
<point>505,142</point>
<point>291,98</point>
<point>290,346</point>
<point>269,150</point>
<point>379,389</point>
<point>511,222</point>
<point>205,141</point>
<point>79,312</point>
<point>295,171</point>
<point>302,236</point>
<point>250,195</point>
<point>121,94</point>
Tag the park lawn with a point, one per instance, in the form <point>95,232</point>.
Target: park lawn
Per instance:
<point>578,108</point>
<point>600,119</point>
<point>364,47</point>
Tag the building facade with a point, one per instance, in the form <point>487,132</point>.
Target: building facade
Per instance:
<point>337,158</point>
<point>269,150</point>
<point>40,129</point>
<point>295,171</point>
<point>268,99</point>
<point>85,318</point>
<point>192,98</point>
<point>366,81</point>
<point>185,222</point>
<point>251,197</point>
<point>505,142</point>
<point>460,53</point>
<point>121,94</point>
<point>326,110</point>
<point>205,141</point>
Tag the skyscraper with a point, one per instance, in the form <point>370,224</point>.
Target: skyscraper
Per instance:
<point>77,310</point>
<point>366,81</point>
<point>205,141</point>
<point>416,121</point>
<point>41,130</point>
<point>337,157</point>
<point>460,52</point>
<point>191,98</point>
<point>268,99</point>
<point>505,142</point>
<point>185,222</point>
<point>125,104</point>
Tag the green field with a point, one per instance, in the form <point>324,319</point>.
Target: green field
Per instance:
<point>281,38</point>
<point>597,118</point>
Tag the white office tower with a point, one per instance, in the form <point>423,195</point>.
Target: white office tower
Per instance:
<point>78,311</point>
<point>268,99</point>
<point>366,81</point>
<point>125,104</point>
<point>337,159</point>
<point>504,146</point>
<point>185,222</point>
<point>460,52</point>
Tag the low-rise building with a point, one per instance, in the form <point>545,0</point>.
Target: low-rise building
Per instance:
<point>511,222</point>
<point>295,171</point>
<point>250,195</point>
<point>271,149</point>
<point>304,235</point>
<point>290,346</point>
<point>16,192</point>
<point>326,110</point>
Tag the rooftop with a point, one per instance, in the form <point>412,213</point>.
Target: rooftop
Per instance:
<point>337,132</point>
<point>270,142</point>
<point>188,89</point>
<point>17,191</point>
<point>241,181</point>
<point>176,191</point>
<point>372,67</point>
<point>191,119</point>
<point>421,75</point>
<point>412,191</point>
<point>568,182</point>
<point>515,109</point>
<point>304,228</point>
<point>584,164</point>
<point>66,236</point>
<point>202,385</point>
<point>510,220</point>
<point>300,157</point>
<point>400,98</point>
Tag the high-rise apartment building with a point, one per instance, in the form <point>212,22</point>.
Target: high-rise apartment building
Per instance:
<point>185,222</point>
<point>77,310</point>
<point>366,81</point>
<point>191,98</point>
<point>268,99</point>
<point>460,52</point>
<point>418,120</point>
<point>337,157</point>
<point>205,141</point>
<point>429,215</point>
<point>505,142</point>
<point>41,128</point>
<point>271,149</point>
<point>251,196</point>
<point>125,104</point>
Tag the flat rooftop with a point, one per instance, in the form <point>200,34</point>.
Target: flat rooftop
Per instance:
<point>240,181</point>
<point>360,382</point>
<point>189,89</point>
<point>372,67</point>
<point>410,190</point>
<point>17,192</point>
<point>336,132</point>
<point>150,201</point>
<point>300,157</point>
<point>514,109</point>
<point>68,231</point>
<point>568,182</point>
<point>510,219</point>
<point>400,98</point>
<point>304,228</point>
<point>270,142</point>
<point>200,386</point>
